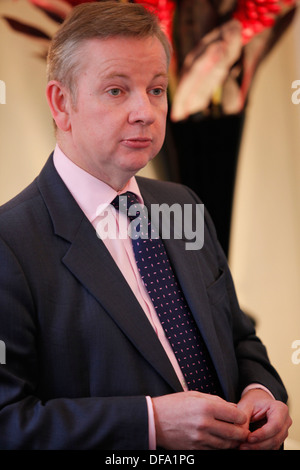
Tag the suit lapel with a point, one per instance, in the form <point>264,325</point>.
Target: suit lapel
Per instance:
<point>91,263</point>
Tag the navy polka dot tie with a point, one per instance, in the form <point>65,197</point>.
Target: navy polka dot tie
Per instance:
<point>168,300</point>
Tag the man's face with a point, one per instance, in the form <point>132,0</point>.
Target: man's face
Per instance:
<point>118,122</point>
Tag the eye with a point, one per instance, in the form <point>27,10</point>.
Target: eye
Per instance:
<point>157,91</point>
<point>114,91</point>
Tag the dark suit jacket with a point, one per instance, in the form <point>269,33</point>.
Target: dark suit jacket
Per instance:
<point>80,353</point>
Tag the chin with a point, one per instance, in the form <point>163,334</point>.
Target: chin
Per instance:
<point>137,163</point>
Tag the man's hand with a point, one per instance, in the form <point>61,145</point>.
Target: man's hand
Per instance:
<point>193,420</point>
<point>271,417</point>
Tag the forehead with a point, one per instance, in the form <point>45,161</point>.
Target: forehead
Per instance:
<point>110,54</point>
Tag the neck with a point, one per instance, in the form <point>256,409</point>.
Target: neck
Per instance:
<point>115,181</point>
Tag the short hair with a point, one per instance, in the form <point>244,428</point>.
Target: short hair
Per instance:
<point>102,20</point>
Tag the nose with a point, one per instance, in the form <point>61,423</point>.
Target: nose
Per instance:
<point>141,109</point>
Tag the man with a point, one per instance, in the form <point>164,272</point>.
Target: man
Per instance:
<point>88,365</point>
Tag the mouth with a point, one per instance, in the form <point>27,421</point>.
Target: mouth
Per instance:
<point>137,142</point>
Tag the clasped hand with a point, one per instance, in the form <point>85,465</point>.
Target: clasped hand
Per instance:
<point>195,421</point>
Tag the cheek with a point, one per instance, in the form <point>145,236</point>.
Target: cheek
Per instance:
<point>162,128</point>
<point>91,126</point>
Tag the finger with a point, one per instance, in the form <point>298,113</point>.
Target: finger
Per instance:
<point>217,443</point>
<point>268,444</point>
<point>276,423</point>
<point>270,436</point>
<point>221,435</point>
<point>230,413</point>
<point>231,432</point>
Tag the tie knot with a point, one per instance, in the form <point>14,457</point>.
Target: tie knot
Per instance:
<point>128,203</point>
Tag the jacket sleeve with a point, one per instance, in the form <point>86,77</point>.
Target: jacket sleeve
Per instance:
<point>60,423</point>
<point>252,358</point>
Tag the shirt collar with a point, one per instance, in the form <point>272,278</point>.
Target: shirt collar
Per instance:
<point>88,191</point>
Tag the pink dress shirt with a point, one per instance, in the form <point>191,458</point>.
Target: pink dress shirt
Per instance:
<point>91,193</point>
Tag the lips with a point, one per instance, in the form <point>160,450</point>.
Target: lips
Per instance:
<point>137,142</point>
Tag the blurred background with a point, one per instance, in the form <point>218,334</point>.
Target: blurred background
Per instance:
<point>263,240</point>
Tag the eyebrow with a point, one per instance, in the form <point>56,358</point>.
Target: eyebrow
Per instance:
<point>162,74</point>
<point>123,75</point>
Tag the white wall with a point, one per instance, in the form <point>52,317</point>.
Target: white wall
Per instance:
<point>26,135</point>
<point>265,243</point>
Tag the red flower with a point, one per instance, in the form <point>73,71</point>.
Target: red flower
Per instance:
<point>78,2</point>
<point>164,9</point>
<point>257,15</point>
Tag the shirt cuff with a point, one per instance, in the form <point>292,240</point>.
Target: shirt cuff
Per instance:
<point>254,385</point>
<point>151,425</point>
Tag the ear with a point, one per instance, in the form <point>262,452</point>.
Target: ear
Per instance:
<point>59,101</point>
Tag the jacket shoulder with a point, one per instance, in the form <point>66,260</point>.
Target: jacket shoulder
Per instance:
<point>27,194</point>
<point>166,190</point>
